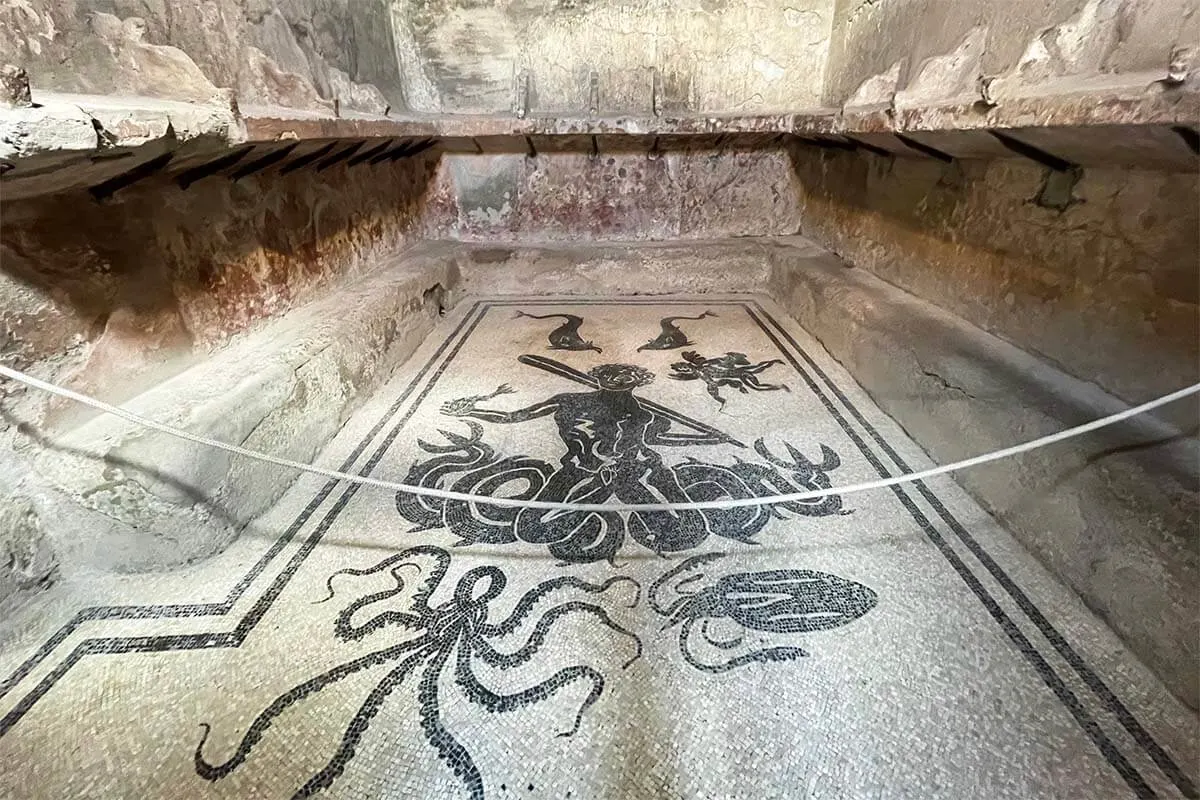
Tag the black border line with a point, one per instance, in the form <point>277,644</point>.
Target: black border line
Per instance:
<point>161,643</point>
<point>117,645</point>
<point>196,610</point>
<point>1107,697</point>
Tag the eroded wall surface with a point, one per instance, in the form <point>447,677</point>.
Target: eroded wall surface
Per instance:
<point>613,55</point>
<point>298,53</point>
<point>1113,514</point>
<point>1107,288</point>
<point>930,50</point>
<point>161,286</point>
<point>593,56</point>
<point>706,194</point>
<point>597,56</point>
<point>110,298</point>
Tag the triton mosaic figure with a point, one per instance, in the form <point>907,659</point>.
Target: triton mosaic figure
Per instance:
<point>611,437</point>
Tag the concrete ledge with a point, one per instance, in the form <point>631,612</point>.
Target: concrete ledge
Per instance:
<point>158,501</point>
<point>1113,514</point>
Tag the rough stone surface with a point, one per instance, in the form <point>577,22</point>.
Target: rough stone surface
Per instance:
<point>296,54</point>
<point>69,142</point>
<point>602,57</point>
<point>1095,287</point>
<point>1114,514</point>
<point>123,294</point>
<point>616,268</point>
<point>26,132</point>
<point>14,87</point>
<point>27,561</point>
<point>945,49</point>
<point>696,55</point>
<point>284,390</point>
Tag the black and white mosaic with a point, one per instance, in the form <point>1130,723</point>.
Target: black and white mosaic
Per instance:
<point>565,336</point>
<point>670,337</point>
<point>779,601</point>
<point>611,440</point>
<point>732,370</point>
<point>359,643</point>
<point>425,642</point>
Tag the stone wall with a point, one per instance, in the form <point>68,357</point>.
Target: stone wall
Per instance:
<point>691,55</point>
<point>931,50</point>
<point>1107,288</point>
<point>591,56</point>
<point>298,53</point>
<point>600,56</point>
<point>110,298</point>
<point>1114,514</point>
<point>173,302</point>
<point>620,195</point>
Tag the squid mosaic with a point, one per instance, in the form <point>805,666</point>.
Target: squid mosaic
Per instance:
<point>777,601</point>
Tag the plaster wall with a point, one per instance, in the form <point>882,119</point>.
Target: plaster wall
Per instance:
<point>620,195</point>
<point>931,50</point>
<point>296,53</point>
<point>605,56</point>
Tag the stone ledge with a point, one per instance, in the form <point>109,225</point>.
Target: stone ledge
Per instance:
<point>157,501</point>
<point>1119,100</point>
<point>65,122</point>
<point>131,121</point>
<point>69,141</point>
<point>614,268</point>
<point>1114,514</point>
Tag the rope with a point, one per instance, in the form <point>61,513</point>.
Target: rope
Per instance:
<point>444,494</point>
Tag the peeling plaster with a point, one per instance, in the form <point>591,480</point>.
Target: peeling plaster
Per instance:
<point>949,76</point>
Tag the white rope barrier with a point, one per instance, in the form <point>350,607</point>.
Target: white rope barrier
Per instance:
<point>444,494</point>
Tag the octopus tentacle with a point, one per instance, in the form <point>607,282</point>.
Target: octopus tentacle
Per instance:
<point>449,749</point>
<point>359,724</point>
<point>344,627</point>
<point>494,658</point>
<point>211,771</point>
<point>496,702</point>
<point>531,598</point>
<point>348,632</point>
<point>767,655</point>
<point>441,563</point>
<point>360,573</point>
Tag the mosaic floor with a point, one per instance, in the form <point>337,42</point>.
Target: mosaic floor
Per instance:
<point>359,644</point>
